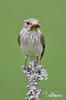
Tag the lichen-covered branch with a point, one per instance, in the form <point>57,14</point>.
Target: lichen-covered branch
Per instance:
<point>34,73</point>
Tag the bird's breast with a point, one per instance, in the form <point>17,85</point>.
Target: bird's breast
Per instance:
<point>31,45</point>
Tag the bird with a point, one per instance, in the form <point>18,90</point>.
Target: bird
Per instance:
<point>31,40</point>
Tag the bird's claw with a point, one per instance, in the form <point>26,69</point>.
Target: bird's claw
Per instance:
<point>25,67</point>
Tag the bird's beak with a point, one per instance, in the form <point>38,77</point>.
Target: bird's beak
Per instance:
<point>34,26</point>
<point>37,26</point>
<point>31,26</point>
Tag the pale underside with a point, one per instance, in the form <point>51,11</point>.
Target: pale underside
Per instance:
<point>30,44</point>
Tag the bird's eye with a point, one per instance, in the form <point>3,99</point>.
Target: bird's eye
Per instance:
<point>28,23</point>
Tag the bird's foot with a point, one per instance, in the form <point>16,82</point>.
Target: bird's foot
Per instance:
<point>38,62</point>
<point>25,67</point>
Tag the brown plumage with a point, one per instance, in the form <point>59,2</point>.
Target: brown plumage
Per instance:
<point>18,39</point>
<point>43,44</point>
<point>31,40</point>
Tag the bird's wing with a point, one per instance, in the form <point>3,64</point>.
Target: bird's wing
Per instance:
<point>18,39</point>
<point>43,44</point>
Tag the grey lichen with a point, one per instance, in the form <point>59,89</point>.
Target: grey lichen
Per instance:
<point>34,73</point>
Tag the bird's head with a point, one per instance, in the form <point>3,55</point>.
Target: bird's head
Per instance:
<point>31,24</point>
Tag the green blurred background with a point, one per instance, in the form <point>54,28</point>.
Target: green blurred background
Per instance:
<point>52,17</point>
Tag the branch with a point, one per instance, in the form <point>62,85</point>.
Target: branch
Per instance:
<point>34,73</point>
